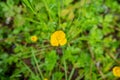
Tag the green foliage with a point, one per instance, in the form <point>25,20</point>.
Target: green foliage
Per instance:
<point>50,61</point>
<point>92,29</point>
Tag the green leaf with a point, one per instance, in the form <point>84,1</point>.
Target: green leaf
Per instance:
<point>50,60</point>
<point>57,76</point>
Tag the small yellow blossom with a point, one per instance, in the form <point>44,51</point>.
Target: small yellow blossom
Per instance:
<point>116,71</point>
<point>34,38</point>
<point>58,38</point>
<point>45,79</point>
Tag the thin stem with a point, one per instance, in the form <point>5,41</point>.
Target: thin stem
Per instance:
<point>65,68</point>
<point>91,71</point>
<point>47,9</point>
<point>32,20</point>
<point>113,57</point>
<point>28,68</point>
<point>95,62</point>
<point>28,4</point>
<point>33,54</point>
<point>71,74</point>
<point>59,7</point>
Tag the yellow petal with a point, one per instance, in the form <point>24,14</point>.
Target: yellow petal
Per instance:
<point>59,34</point>
<point>54,41</point>
<point>116,71</point>
<point>58,38</point>
<point>63,42</point>
<point>34,38</point>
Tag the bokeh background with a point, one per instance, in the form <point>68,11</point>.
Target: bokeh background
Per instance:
<point>92,29</point>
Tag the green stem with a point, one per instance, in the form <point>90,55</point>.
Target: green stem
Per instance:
<point>58,2</point>
<point>29,5</point>
<point>47,8</point>
<point>65,68</point>
<point>71,74</point>
<point>33,54</point>
<point>28,69</point>
<point>34,21</point>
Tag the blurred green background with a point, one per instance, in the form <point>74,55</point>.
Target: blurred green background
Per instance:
<point>92,29</point>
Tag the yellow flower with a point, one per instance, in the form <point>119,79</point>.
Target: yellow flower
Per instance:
<point>45,79</point>
<point>58,38</point>
<point>116,71</point>
<point>34,38</point>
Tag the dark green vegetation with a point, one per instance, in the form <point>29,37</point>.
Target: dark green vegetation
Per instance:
<point>92,29</point>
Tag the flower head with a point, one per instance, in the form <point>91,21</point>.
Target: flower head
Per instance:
<point>58,38</point>
<point>34,38</point>
<point>116,71</point>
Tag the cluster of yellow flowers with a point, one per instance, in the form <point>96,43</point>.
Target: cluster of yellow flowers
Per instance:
<point>116,71</point>
<point>58,38</point>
